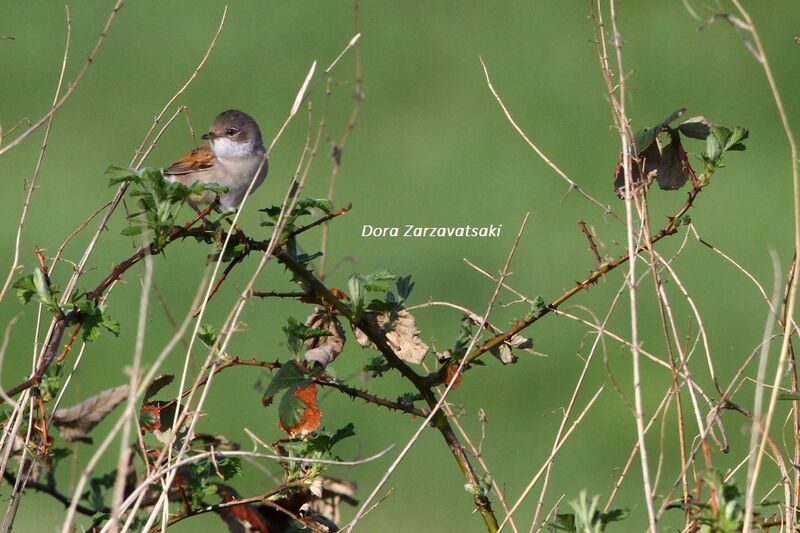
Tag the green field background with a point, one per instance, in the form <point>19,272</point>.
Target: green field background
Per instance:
<point>431,147</point>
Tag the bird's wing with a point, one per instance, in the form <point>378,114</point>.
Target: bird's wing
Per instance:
<point>198,159</point>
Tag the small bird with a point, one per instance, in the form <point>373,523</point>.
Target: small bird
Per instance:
<point>233,157</point>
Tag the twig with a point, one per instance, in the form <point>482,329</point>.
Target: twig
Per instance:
<point>791,297</point>
<point>598,260</point>
<point>670,228</point>
<point>572,185</point>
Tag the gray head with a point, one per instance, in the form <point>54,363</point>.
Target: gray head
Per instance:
<point>234,134</point>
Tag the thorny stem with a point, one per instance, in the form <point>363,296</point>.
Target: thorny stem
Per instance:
<point>671,228</point>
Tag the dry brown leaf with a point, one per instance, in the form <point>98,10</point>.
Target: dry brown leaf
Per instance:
<point>324,350</point>
<point>402,336</point>
<point>74,423</point>
<point>334,492</point>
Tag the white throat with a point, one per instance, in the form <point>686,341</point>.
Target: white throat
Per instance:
<point>228,149</point>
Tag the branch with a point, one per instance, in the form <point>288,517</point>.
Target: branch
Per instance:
<point>376,335</point>
<point>670,228</point>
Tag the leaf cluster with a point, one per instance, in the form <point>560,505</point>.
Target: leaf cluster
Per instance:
<point>159,200</point>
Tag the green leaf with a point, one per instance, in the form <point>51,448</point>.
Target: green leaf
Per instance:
<point>287,376</point>
<point>313,206</point>
<point>376,366</point>
<point>122,175</point>
<point>377,281</point>
<point>229,467</point>
<point>36,284</point>
<point>111,325</point>
<point>51,383</point>
<point>341,434</point>
<point>538,307</point>
<point>723,139</point>
<point>789,396</point>
<point>614,515</point>
<point>93,318</point>
<point>565,522</point>
<point>297,333</point>
<point>404,286</point>
<point>99,488</point>
<point>40,283</point>
<point>130,231</point>
<point>207,334</point>
<point>25,288</point>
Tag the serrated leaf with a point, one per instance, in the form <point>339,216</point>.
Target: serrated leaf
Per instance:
<point>93,317</point>
<point>131,231</point>
<point>112,326</point>
<point>74,423</point>
<point>723,139</point>
<point>288,375</point>
<point>207,334</point>
<point>404,284</point>
<point>297,334</point>
<point>738,134</point>
<point>614,515</point>
<point>25,288</point>
<point>122,175</point>
<point>229,467</point>
<point>378,281</point>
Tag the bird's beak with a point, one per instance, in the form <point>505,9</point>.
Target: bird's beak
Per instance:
<point>207,135</point>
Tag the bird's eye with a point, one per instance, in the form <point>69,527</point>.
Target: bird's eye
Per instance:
<point>230,132</point>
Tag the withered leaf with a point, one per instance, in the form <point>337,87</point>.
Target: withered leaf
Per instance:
<point>334,492</point>
<point>504,353</point>
<point>401,334</point>
<point>74,423</point>
<point>672,173</point>
<point>451,374</point>
<point>298,411</point>
<point>324,349</point>
<point>643,167</point>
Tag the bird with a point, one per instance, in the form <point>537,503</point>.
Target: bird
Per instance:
<point>233,157</point>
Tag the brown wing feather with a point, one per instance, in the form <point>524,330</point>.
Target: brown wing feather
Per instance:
<point>198,159</point>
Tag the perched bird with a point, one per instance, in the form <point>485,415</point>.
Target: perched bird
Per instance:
<point>233,157</point>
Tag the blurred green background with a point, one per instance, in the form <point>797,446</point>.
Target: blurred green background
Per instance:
<point>431,148</point>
